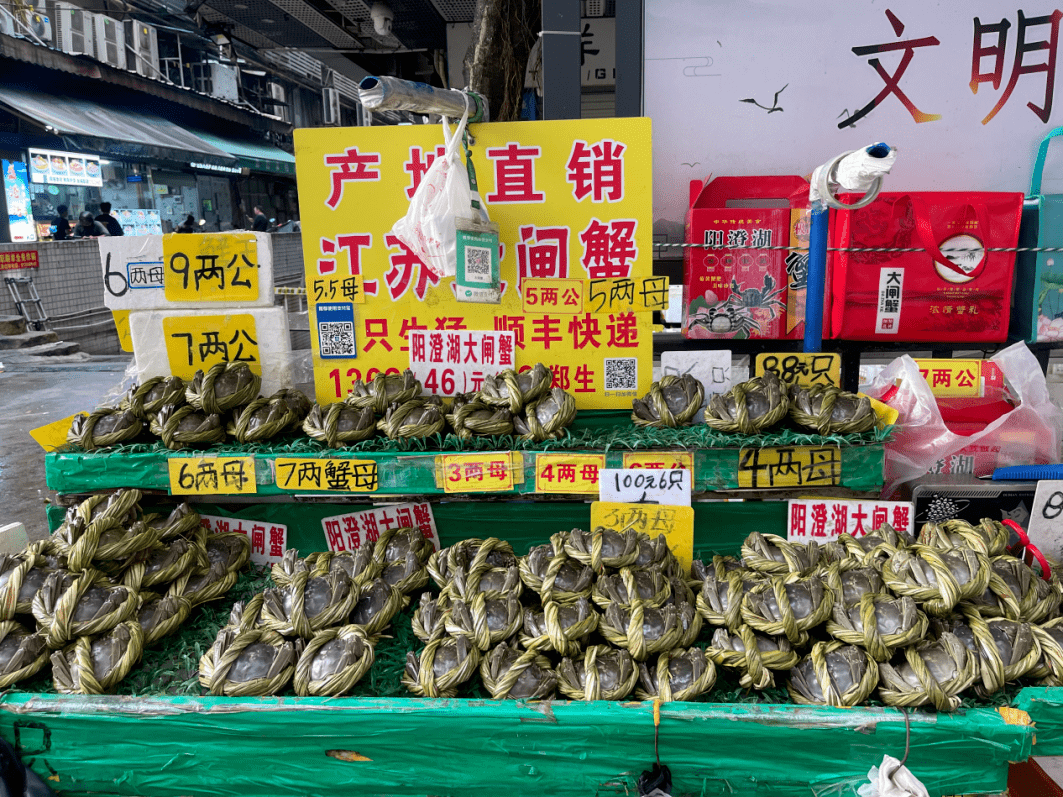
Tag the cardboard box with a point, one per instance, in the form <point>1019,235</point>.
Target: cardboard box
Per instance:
<point>732,287</point>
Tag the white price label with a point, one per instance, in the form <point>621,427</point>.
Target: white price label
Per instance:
<point>448,362</point>
<point>823,519</point>
<point>352,530</point>
<point>1046,518</point>
<point>645,486</point>
<point>269,541</point>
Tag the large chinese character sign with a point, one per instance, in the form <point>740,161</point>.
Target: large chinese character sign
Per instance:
<point>572,201</point>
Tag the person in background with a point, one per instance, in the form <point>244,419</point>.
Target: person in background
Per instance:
<point>60,225</point>
<point>188,225</point>
<point>260,223</point>
<point>88,227</point>
<point>107,220</point>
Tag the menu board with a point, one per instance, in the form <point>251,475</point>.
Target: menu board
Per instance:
<point>64,168</point>
<point>138,221</point>
<point>17,194</point>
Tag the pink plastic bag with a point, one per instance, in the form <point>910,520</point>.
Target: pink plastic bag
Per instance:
<point>1028,435</point>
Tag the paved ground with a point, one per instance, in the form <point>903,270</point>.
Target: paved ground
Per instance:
<point>32,395</point>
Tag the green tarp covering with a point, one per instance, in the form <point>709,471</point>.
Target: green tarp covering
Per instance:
<point>301,746</point>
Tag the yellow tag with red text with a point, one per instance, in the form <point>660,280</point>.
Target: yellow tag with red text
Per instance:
<point>660,460</point>
<point>568,473</point>
<point>493,472</point>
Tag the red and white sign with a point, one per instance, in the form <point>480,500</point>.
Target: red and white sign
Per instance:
<point>453,361</point>
<point>824,519</point>
<point>352,530</point>
<point>269,541</point>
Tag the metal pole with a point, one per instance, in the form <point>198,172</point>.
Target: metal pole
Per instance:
<point>817,280</point>
<point>180,61</point>
<point>629,16</point>
<point>561,59</point>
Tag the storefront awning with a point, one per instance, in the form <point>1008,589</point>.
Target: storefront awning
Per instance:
<point>114,130</point>
<point>259,157</point>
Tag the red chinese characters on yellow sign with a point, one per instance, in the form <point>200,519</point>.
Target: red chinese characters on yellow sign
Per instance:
<point>572,201</point>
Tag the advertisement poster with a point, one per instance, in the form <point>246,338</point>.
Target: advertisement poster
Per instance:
<point>572,203</point>
<point>139,221</point>
<point>964,91</point>
<point>17,193</point>
<point>64,168</point>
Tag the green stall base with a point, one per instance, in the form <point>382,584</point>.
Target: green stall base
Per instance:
<point>216,747</point>
<point>1044,704</point>
<point>719,526</point>
<point>404,473</point>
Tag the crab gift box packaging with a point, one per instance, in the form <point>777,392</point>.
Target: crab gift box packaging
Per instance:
<point>739,279</point>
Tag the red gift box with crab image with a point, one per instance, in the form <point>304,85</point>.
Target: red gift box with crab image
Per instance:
<point>734,284</point>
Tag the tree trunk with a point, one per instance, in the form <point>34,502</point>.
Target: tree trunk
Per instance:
<point>503,33</point>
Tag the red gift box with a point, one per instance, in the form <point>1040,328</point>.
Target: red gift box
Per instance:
<point>731,288</point>
<point>924,295</point>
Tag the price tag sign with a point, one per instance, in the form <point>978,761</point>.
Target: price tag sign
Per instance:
<point>353,530</point>
<point>967,378</point>
<point>1046,518</point>
<point>594,296</point>
<point>212,475</point>
<point>711,368</point>
<point>210,267</point>
<point>479,473</point>
<point>643,486</point>
<point>674,523</point>
<point>328,475</point>
<point>52,435</point>
<point>806,369</point>
<point>568,474</point>
<point>789,466</point>
<point>659,460</point>
<point>824,519</point>
<point>195,342</point>
<point>456,361</point>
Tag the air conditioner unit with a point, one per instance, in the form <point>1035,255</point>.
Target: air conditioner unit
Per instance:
<point>331,99</point>
<point>225,82</point>
<point>74,29</point>
<point>38,22</point>
<point>142,49</point>
<point>283,112</point>
<point>7,21</point>
<point>110,41</point>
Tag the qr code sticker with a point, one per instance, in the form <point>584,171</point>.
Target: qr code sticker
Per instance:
<point>337,338</point>
<point>621,373</point>
<point>477,264</point>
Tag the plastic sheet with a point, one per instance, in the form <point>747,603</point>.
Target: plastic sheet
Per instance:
<point>390,746</point>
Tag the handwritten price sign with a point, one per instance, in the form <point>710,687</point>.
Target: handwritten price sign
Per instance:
<point>789,466</point>
<point>595,296</point>
<point>674,523</point>
<point>641,485</point>
<point>212,475</point>
<point>806,369</point>
<point>659,460</point>
<point>573,474</point>
<point>479,473</point>
<point>210,267</point>
<point>198,341</point>
<point>329,475</point>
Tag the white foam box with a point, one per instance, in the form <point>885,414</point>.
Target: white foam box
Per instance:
<point>133,268</point>
<point>165,340</point>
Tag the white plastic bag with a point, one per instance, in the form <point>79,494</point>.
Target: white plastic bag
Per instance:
<point>443,195</point>
<point>890,779</point>
<point>1027,435</point>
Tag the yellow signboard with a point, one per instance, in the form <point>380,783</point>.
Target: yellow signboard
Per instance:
<point>660,460</point>
<point>789,466</point>
<point>675,523</point>
<point>333,475</point>
<point>198,341</point>
<point>52,435</point>
<point>956,378</point>
<point>572,200</point>
<point>210,267</point>
<point>493,472</point>
<point>599,297</point>
<point>212,475</point>
<point>568,473</point>
<point>804,368</point>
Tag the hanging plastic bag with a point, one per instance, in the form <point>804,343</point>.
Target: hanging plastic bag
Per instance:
<point>428,228</point>
<point>922,443</point>
<point>891,779</point>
